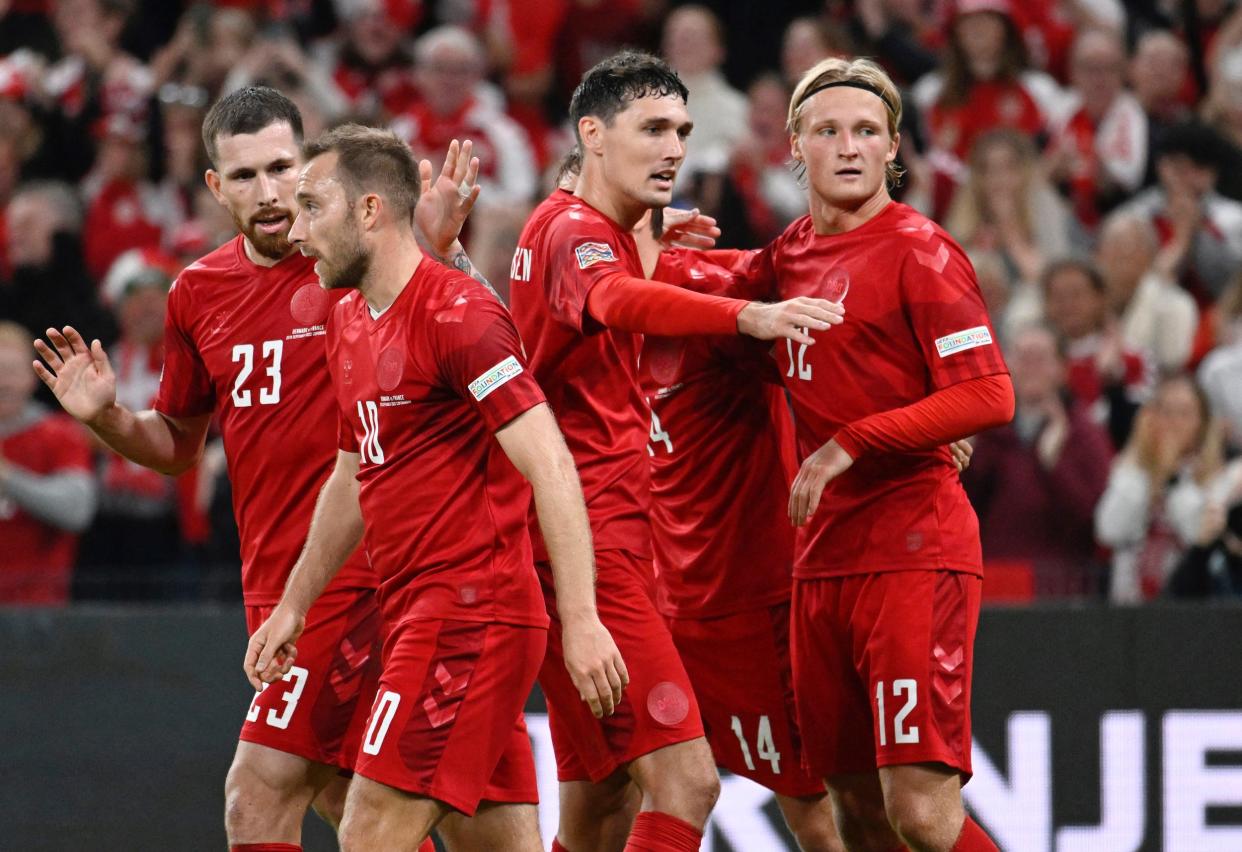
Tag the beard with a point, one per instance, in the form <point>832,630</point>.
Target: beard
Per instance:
<point>350,270</point>
<point>271,246</point>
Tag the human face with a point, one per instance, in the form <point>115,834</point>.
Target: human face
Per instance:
<point>1178,414</point>
<point>17,380</point>
<point>1072,304</point>
<point>1123,255</point>
<point>844,142</point>
<point>32,224</point>
<point>690,42</point>
<point>326,227</point>
<point>642,148</point>
<point>1097,71</point>
<point>447,78</point>
<point>981,35</point>
<point>1003,172</point>
<point>1037,369</point>
<point>254,180</point>
<point>141,314</point>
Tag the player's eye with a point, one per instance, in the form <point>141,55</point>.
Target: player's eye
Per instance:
<point>827,131</point>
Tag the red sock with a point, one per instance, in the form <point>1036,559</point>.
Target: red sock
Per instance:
<point>266,847</point>
<point>973,839</point>
<point>556,845</point>
<point>659,832</point>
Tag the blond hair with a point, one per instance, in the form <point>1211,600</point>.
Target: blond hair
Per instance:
<point>861,73</point>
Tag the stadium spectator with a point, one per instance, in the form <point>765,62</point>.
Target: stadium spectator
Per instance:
<point>451,64</point>
<point>47,493</point>
<point>1109,379</point>
<point>900,36</point>
<point>1151,510</point>
<point>1010,306</point>
<point>1222,109</point>
<point>1006,205</point>
<point>1159,75</point>
<point>208,44</point>
<point>1212,566</point>
<point>1220,374</point>
<point>1098,152</point>
<point>123,206</point>
<point>808,40</point>
<point>276,59</point>
<point>983,83</point>
<point>1157,317</point>
<point>694,44</point>
<point>1035,482</point>
<point>372,65</point>
<point>49,284</point>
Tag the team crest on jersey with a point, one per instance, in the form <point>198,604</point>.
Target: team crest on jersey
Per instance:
<point>590,254</point>
<point>495,377</point>
<point>389,369</point>
<point>309,305</point>
<point>962,340</point>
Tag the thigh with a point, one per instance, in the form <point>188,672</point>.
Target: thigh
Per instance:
<point>256,768</point>
<point>740,670</point>
<point>317,711</point>
<point>658,708</point>
<point>378,816</point>
<point>913,641</point>
<point>512,827</point>
<point>444,715</point>
<point>833,712</point>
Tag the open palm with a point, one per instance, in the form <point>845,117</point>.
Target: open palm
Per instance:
<point>444,205</point>
<point>80,376</point>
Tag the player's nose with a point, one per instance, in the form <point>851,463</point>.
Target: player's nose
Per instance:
<point>297,232</point>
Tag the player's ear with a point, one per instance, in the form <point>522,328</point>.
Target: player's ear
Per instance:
<point>795,147</point>
<point>892,150</point>
<point>212,178</point>
<point>590,130</point>
<point>369,207</point>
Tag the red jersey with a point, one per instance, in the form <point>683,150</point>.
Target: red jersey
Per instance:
<point>915,323</point>
<point>420,390</point>
<point>590,373</point>
<point>722,462</point>
<point>38,557</point>
<point>246,341</point>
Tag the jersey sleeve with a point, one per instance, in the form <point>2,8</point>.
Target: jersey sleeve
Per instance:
<point>185,389</point>
<point>720,272</point>
<point>480,356</point>
<point>947,314</point>
<point>580,253</point>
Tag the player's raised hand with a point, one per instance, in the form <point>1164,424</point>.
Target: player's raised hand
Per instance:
<point>80,376</point>
<point>687,229</point>
<point>594,664</point>
<point>271,651</point>
<point>444,205</point>
<point>820,468</point>
<point>794,318</point>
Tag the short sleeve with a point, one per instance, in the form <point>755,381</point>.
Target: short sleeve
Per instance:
<point>947,314</point>
<point>480,356</point>
<point>723,272</point>
<point>581,252</point>
<point>185,388</point>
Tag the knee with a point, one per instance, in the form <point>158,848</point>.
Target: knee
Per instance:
<point>255,801</point>
<point>690,795</point>
<point>861,824</point>
<point>917,820</point>
<point>355,833</point>
<point>330,804</point>
<point>816,832</point>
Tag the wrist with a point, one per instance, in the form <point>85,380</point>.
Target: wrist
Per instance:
<point>104,420</point>
<point>577,614</point>
<point>747,318</point>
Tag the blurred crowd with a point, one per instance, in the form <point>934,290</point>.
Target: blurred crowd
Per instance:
<point>1086,153</point>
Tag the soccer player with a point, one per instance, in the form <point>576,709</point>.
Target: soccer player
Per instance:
<point>440,422</point>
<point>887,576</point>
<point>579,298</point>
<point>244,342</point>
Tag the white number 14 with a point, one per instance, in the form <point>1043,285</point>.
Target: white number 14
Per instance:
<point>763,742</point>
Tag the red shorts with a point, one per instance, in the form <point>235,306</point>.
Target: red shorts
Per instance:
<point>882,668</point>
<point>658,708</point>
<point>739,666</point>
<point>447,720</point>
<point>319,710</point>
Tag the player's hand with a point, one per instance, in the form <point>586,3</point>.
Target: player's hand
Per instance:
<point>961,451</point>
<point>688,229</point>
<point>444,205</point>
<point>820,468</point>
<point>794,319</point>
<point>80,376</point>
<point>594,663</point>
<point>271,652</point>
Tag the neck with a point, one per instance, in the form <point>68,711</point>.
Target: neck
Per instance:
<point>260,259</point>
<point>828,218</point>
<point>623,210</point>
<point>392,267</point>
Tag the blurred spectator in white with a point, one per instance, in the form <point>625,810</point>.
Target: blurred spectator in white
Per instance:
<point>1160,79</point>
<point>451,65</point>
<point>1035,482</point>
<point>49,284</point>
<point>808,40</point>
<point>1151,511</point>
<point>131,549</point>
<point>1157,317</point>
<point>1098,152</point>
<point>984,83</point>
<point>1212,567</point>
<point>1007,205</point>
<point>277,60</point>
<point>47,493</point>
<point>1108,378</point>
<point>1220,374</point>
<point>760,177</point>
<point>123,210</point>
<point>998,290</point>
<point>372,65</point>
<point>1198,225</point>
<point>694,44</point>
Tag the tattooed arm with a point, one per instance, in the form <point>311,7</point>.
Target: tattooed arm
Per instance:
<point>457,258</point>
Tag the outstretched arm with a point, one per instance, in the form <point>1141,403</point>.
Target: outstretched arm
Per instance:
<point>82,379</point>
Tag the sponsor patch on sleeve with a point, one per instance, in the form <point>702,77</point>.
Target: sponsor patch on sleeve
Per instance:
<point>962,340</point>
<point>495,377</point>
<point>590,254</point>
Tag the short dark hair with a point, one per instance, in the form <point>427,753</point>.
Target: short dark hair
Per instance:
<point>1199,142</point>
<point>371,160</point>
<point>1080,265</point>
<point>610,85</point>
<point>248,110</point>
